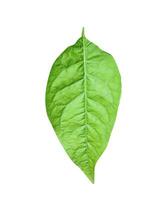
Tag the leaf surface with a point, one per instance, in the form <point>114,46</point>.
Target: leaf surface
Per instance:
<point>82,98</point>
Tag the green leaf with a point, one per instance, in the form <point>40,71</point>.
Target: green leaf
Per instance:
<point>82,99</point>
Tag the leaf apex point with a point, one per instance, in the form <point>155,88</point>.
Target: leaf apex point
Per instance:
<point>91,178</point>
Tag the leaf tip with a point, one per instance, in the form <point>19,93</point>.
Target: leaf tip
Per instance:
<point>90,176</point>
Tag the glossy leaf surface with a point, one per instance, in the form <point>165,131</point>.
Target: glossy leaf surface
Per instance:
<point>82,99</point>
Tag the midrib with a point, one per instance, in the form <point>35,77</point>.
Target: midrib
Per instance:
<point>85,97</point>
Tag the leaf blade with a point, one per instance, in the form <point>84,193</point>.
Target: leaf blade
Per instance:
<point>84,84</point>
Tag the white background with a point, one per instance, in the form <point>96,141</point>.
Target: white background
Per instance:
<point>33,164</point>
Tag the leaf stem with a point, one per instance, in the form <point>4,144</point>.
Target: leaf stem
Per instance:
<point>83,32</point>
